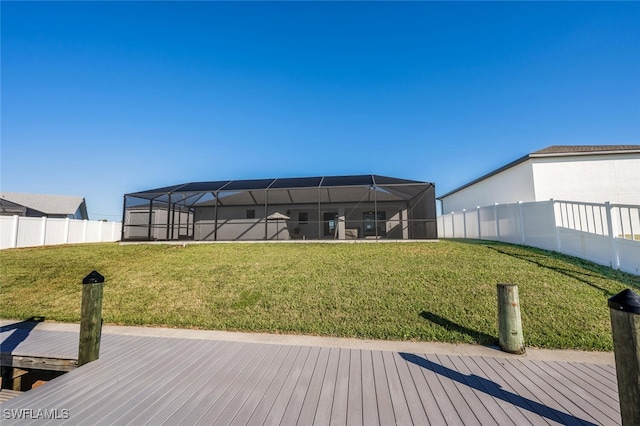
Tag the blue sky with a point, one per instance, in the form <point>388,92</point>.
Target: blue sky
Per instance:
<point>100,99</point>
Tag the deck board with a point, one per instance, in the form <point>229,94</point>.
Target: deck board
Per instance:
<point>170,380</point>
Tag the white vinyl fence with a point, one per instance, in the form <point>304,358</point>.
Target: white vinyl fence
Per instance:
<point>18,231</point>
<point>607,234</point>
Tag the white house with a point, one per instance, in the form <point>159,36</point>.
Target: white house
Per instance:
<point>595,174</point>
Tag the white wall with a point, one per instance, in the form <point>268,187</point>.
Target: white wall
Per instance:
<point>18,231</point>
<point>592,178</point>
<point>512,185</point>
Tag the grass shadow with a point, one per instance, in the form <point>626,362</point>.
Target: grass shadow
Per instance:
<point>21,331</point>
<point>548,259</point>
<point>495,390</point>
<point>480,337</point>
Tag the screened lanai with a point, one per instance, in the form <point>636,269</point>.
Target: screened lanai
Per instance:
<point>306,208</point>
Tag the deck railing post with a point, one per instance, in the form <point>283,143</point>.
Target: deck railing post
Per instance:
<point>91,318</point>
<point>509,323</point>
<point>625,325</point>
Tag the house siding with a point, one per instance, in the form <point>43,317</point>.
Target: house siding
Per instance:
<point>511,185</point>
<point>593,178</point>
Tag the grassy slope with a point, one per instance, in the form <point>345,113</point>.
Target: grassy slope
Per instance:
<point>442,291</point>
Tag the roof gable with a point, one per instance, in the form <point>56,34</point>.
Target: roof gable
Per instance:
<point>555,151</point>
<point>45,203</point>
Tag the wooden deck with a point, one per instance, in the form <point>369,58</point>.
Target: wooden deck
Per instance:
<point>164,380</point>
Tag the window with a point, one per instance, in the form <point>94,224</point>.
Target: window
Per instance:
<point>369,222</point>
<point>330,223</point>
<point>251,214</point>
<point>303,217</point>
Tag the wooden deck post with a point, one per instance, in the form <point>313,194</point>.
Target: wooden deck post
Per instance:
<point>625,325</point>
<point>91,318</point>
<point>509,323</point>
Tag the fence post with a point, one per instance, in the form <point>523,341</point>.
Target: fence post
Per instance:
<point>453,225</point>
<point>67,221</point>
<point>625,325</point>
<point>464,223</point>
<point>91,318</point>
<point>495,210</point>
<point>521,214</point>
<point>510,334</point>
<point>555,224</point>
<point>43,231</point>
<point>479,223</point>
<point>84,230</point>
<point>615,261</point>
<point>14,232</point>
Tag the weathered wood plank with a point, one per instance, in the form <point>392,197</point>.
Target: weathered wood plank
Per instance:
<point>148,378</point>
<point>325,401</point>
<point>494,385</point>
<point>269,387</point>
<point>587,407</point>
<point>451,391</point>
<point>238,388</point>
<point>155,380</point>
<point>210,388</point>
<point>383,394</point>
<point>354,402</point>
<point>607,380</point>
<point>277,410</point>
<point>312,397</point>
<point>547,398</point>
<point>341,392</point>
<point>515,391</point>
<point>369,401</point>
<point>264,407</point>
<point>299,392</point>
<point>398,400</point>
<point>484,390</point>
<point>146,407</point>
<point>480,413</point>
<point>411,395</point>
<point>587,384</point>
<point>432,379</point>
<point>425,391</point>
<point>7,394</point>
<point>41,363</point>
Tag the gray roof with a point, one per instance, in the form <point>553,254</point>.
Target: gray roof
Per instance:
<point>556,151</point>
<point>45,203</point>
<point>585,150</point>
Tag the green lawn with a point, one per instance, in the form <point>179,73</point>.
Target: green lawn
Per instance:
<point>443,291</point>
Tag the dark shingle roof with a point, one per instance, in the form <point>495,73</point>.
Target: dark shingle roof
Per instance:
<point>584,149</point>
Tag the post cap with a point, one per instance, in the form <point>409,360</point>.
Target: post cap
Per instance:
<point>626,301</point>
<point>93,278</point>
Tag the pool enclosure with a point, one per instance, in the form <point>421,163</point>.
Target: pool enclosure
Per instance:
<point>312,208</point>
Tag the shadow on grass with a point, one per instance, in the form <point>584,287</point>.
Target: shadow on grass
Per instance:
<point>20,332</point>
<point>539,259</point>
<point>495,390</point>
<point>478,336</point>
<point>547,259</point>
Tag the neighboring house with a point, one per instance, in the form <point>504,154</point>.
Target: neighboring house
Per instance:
<point>325,207</point>
<point>595,174</point>
<point>39,205</point>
